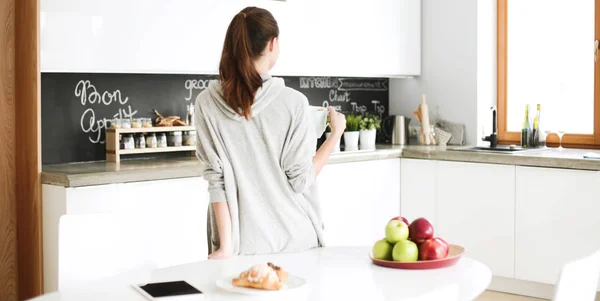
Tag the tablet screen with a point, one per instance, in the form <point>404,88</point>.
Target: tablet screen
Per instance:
<point>167,289</point>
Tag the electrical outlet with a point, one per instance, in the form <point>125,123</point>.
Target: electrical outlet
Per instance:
<point>413,131</point>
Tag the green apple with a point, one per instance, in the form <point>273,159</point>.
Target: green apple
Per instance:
<point>382,250</point>
<point>405,251</point>
<point>395,231</point>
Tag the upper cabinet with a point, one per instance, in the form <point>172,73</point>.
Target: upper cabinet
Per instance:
<point>317,37</point>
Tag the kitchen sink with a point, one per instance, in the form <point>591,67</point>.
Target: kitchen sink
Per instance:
<point>501,149</point>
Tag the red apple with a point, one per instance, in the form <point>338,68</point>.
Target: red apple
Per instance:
<point>432,249</point>
<point>420,230</point>
<point>401,218</point>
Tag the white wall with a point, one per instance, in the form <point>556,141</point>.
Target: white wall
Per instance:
<point>486,65</point>
<point>458,74</point>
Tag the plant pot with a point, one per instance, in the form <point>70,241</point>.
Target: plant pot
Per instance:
<point>351,140</point>
<point>336,149</point>
<point>367,138</point>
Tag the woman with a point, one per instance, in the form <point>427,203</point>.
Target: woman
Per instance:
<point>257,142</point>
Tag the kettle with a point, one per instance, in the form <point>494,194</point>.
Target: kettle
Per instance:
<point>395,128</point>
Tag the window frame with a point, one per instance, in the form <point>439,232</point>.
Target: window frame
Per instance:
<point>569,140</point>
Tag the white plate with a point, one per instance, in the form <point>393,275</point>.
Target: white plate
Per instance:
<point>292,284</point>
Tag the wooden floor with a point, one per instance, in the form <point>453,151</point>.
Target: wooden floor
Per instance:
<point>496,296</point>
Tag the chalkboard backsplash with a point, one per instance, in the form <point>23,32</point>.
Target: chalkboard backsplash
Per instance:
<point>76,106</point>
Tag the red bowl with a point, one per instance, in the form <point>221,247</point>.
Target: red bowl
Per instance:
<point>454,254</point>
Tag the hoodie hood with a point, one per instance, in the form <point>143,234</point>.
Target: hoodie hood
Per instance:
<point>271,88</point>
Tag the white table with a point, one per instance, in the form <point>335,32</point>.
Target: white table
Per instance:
<point>333,273</point>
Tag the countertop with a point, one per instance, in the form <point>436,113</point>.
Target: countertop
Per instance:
<point>98,173</point>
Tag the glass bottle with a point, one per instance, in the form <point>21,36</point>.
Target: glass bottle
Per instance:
<point>536,129</point>
<point>526,129</point>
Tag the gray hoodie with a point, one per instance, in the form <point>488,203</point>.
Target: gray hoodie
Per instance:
<point>262,168</point>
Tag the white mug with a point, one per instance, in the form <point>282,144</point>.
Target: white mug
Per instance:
<point>320,119</point>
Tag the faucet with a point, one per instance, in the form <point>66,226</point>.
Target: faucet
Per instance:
<point>493,138</point>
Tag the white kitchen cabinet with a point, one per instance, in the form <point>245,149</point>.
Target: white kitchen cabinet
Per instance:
<point>475,208</point>
<point>145,36</point>
<point>318,37</point>
<point>417,189</point>
<point>358,199</point>
<point>172,214</point>
<point>557,220</point>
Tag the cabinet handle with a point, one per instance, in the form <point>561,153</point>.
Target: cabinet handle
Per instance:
<point>596,44</point>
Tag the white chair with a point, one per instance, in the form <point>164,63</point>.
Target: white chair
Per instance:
<point>579,279</point>
<point>100,247</point>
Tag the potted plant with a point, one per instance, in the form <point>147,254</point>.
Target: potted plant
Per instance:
<point>351,134</point>
<point>369,124</point>
<point>336,149</point>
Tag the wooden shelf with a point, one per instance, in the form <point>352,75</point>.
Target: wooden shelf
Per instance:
<point>157,150</point>
<point>154,129</point>
<point>114,153</point>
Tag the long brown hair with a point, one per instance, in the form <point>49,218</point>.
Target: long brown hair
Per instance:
<point>247,36</point>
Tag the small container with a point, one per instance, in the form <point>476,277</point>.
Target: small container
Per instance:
<point>161,140</point>
<point>115,123</point>
<point>136,123</point>
<point>175,139</point>
<point>189,138</point>
<point>140,141</point>
<point>146,122</point>
<point>151,141</point>
<point>126,123</point>
<point>128,141</point>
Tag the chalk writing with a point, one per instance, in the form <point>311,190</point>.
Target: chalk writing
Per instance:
<point>92,125</point>
<point>356,109</point>
<point>341,97</point>
<point>362,84</point>
<point>377,108</point>
<point>195,84</point>
<point>88,93</point>
<point>319,82</point>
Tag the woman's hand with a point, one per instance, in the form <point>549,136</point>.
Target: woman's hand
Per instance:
<point>337,122</point>
<point>221,253</point>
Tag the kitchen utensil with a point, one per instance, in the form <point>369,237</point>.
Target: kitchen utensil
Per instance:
<point>395,128</point>
<point>443,136</point>
<point>454,254</point>
<point>293,285</point>
<point>425,126</point>
<point>426,134</point>
<point>456,129</point>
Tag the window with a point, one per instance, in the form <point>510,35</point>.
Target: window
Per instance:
<point>546,56</point>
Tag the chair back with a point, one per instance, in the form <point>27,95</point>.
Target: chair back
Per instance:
<point>100,247</point>
<point>579,279</point>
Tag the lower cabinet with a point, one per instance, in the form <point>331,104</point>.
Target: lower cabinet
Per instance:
<point>557,220</point>
<point>358,199</point>
<point>468,204</point>
<point>165,221</point>
<point>417,189</point>
<point>111,229</point>
<point>524,223</point>
<point>475,208</point>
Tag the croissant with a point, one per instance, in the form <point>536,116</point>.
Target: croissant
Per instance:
<point>169,120</point>
<point>262,276</point>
